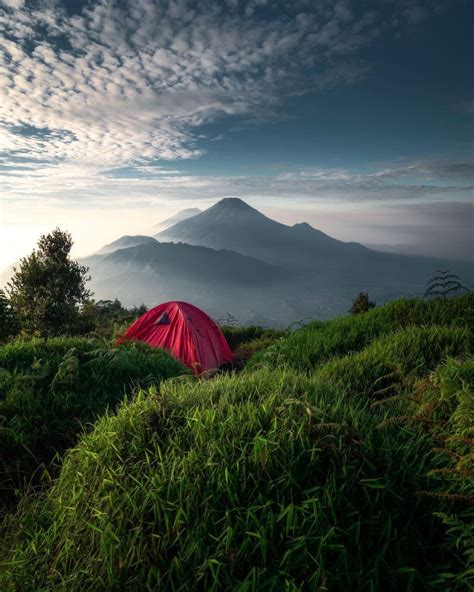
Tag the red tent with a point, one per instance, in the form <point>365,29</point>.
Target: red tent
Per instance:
<point>186,332</point>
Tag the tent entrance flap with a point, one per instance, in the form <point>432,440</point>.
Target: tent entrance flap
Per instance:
<point>163,319</point>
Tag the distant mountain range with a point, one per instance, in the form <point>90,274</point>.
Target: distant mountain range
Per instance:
<point>125,242</point>
<point>219,281</point>
<point>179,217</point>
<point>233,259</point>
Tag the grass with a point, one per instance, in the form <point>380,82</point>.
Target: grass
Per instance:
<point>51,389</point>
<point>444,402</point>
<point>315,473</point>
<point>318,341</point>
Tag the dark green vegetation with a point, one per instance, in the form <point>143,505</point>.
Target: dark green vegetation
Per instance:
<point>317,342</point>
<point>50,389</point>
<point>9,324</point>
<point>47,296</point>
<point>340,459</point>
<point>247,341</point>
<point>361,304</point>
<point>48,286</point>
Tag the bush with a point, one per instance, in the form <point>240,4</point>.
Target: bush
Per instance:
<point>361,304</point>
<point>50,388</point>
<point>8,319</point>
<point>48,286</point>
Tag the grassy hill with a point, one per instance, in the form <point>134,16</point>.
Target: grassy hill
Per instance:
<point>51,390</point>
<point>340,458</point>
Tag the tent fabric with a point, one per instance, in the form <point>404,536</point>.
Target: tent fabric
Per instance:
<point>187,332</point>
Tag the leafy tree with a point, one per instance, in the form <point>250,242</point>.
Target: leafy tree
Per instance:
<point>140,310</point>
<point>8,319</point>
<point>361,304</point>
<point>48,286</point>
<point>444,283</point>
<point>105,317</point>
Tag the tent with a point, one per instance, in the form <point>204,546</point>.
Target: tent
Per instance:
<point>186,332</point>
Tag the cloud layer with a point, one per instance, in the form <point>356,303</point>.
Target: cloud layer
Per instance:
<point>131,81</point>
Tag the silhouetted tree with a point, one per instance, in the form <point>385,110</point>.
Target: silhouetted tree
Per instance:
<point>8,319</point>
<point>361,304</point>
<point>444,283</point>
<point>48,286</point>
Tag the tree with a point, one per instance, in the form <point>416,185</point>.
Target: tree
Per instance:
<point>48,286</point>
<point>361,304</point>
<point>444,283</point>
<point>8,318</point>
<point>105,317</point>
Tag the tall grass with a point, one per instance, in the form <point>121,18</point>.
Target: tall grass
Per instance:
<point>444,402</point>
<point>49,389</point>
<point>319,341</point>
<point>266,480</point>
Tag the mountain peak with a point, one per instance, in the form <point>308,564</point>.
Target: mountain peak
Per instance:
<point>232,204</point>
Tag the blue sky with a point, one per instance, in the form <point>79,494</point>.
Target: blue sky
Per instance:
<point>355,116</point>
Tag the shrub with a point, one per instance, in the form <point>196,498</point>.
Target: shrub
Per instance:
<point>48,286</point>
<point>361,304</point>
<point>237,336</point>
<point>8,318</point>
<point>50,388</point>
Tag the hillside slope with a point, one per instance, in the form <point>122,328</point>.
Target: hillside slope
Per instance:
<point>274,478</point>
<point>220,282</point>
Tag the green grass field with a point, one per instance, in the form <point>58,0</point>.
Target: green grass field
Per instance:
<point>340,458</point>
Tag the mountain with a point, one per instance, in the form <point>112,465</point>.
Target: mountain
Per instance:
<point>125,242</point>
<point>233,224</point>
<point>233,259</point>
<point>220,282</point>
<point>179,217</point>
<point>324,269</point>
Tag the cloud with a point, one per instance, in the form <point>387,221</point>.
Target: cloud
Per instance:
<point>151,185</point>
<point>127,82</point>
<point>16,4</point>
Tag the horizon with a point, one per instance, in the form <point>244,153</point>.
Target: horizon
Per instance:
<point>117,115</point>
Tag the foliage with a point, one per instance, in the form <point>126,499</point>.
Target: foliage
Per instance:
<point>361,304</point>
<point>317,470</point>
<point>106,318</point>
<point>443,402</point>
<point>47,288</point>
<point>237,336</point>
<point>49,389</point>
<point>444,283</point>
<point>8,318</point>
<point>318,341</point>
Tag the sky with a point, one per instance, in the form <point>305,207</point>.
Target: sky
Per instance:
<point>356,117</point>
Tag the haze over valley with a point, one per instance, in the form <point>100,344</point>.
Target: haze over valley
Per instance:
<point>235,260</point>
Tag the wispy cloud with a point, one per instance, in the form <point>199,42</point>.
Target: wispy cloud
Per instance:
<point>128,82</point>
<point>151,185</point>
